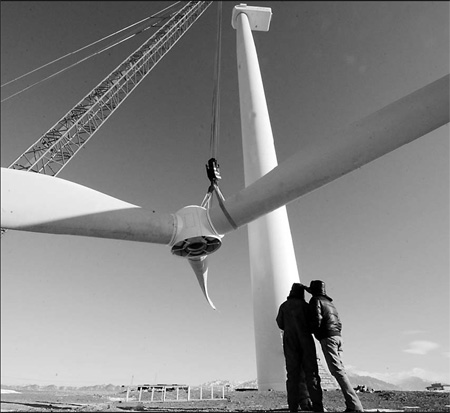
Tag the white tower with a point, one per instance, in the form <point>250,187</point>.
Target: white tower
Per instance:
<point>272,259</point>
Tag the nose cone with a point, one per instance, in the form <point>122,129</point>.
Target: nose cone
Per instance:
<point>194,234</point>
<point>200,267</point>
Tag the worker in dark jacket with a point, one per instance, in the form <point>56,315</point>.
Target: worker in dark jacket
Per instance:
<point>300,353</point>
<point>327,327</point>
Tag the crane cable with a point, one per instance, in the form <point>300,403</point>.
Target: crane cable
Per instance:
<point>79,50</point>
<point>66,68</point>
<point>212,167</point>
<point>215,125</point>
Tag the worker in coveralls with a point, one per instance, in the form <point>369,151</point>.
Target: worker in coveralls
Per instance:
<point>303,380</point>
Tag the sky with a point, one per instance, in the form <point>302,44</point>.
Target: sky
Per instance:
<point>79,311</point>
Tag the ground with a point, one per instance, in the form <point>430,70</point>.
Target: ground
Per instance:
<point>235,401</point>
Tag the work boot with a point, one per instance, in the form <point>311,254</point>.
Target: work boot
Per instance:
<point>318,408</point>
<point>306,405</point>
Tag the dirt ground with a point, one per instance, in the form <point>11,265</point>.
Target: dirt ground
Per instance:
<point>235,401</point>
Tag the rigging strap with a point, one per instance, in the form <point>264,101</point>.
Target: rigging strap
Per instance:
<point>221,198</point>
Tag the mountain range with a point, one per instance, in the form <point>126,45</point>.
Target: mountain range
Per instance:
<point>409,384</point>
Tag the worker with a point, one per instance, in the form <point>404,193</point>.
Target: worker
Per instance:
<point>300,353</point>
<point>327,327</point>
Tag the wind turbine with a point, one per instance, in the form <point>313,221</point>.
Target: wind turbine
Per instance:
<point>40,203</point>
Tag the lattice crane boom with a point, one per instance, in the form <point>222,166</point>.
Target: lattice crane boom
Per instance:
<point>53,150</point>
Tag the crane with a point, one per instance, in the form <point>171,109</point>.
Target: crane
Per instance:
<point>56,147</point>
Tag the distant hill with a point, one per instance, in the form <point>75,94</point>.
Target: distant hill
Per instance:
<point>371,382</point>
<point>95,388</point>
<point>414,384</point>
<point>249,384</point>
<point>409,384</point>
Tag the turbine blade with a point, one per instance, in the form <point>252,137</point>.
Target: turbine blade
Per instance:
<point>325,160</point>
<point>200,267</point>
<point>41,203</point>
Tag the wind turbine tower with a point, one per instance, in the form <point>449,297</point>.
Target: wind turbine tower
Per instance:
<point>273,265</point>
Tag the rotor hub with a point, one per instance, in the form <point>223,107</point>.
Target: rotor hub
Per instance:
<point>196,246</point>
<point>194,234</point>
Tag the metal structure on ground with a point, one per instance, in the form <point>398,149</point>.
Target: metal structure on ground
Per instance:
<point>175,392</point>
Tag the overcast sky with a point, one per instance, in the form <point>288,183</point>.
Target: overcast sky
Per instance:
<point>79,311</point>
